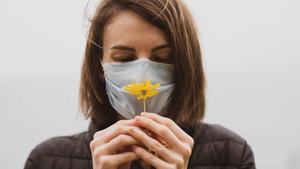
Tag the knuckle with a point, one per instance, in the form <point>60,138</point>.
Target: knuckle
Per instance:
<point>180,162</point>
<point>155,145</point>
<point>127,128</point>
<point>163,130</point>
<point>192,142</point>
<point>187,152</point>
<point>122,138</point>
<point>102,160</point>
<point>120,129</point>
<point>168,122</point>
<point>97,155</point>
<point>92,144</point>
<point>98,152</point>
<point>97,134</point>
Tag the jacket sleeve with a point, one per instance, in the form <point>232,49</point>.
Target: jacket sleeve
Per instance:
<point>247,160</point>
<point>32,160</point>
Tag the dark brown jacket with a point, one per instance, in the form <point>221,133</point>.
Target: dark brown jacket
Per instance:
<point>215,147</point>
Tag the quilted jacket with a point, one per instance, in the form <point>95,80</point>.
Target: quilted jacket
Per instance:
<point>215,147</point>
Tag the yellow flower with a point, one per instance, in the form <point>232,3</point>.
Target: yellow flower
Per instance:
<point>142,90</point>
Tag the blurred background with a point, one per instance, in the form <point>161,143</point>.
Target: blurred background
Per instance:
<point>251,56</point>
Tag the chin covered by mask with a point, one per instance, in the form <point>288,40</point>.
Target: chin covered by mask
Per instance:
<point>119,74</point>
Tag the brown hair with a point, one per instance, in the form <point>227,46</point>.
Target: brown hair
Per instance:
<point>187,105</point>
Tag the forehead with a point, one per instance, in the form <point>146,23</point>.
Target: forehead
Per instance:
<point>131,29</point>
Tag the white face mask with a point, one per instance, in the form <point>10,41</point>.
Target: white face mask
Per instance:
<point>119,74</point>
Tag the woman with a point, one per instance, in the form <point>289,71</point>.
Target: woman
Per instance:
<point>134,41</point>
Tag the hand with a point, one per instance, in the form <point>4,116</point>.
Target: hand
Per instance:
<point>110,147</point>
<point>177,147</point>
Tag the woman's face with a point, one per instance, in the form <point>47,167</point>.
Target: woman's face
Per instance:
<point>129,37</point>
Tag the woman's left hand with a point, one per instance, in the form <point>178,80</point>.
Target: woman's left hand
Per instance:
<point>179,144</point>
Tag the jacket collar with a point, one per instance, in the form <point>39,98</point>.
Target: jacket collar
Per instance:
<point>92,129</point>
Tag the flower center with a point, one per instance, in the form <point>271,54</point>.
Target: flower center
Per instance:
<point>143,92</point>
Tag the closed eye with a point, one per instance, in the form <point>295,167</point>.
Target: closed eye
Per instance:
<point>162,60</point>
<point>123,58</point>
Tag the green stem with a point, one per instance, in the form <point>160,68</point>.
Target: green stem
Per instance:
<point>144,105</point>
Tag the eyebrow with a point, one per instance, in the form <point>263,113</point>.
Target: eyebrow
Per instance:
<point>122,47</point>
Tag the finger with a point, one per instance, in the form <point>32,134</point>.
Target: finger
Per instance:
<point>115,144</point>
<point>155,146</point>
<point>150,158</point>
<point>112,127</point>
<point>160,139</point>
<point>160,130</point>
<point>181,134</point>
<point>117,159</point>
<point>109,135</point>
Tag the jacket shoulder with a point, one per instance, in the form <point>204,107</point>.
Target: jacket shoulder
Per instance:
<point>219,133</point>
<point>217,145</point>
<point>57,148</point>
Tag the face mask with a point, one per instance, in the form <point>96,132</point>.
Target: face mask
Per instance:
<point>119,74</point>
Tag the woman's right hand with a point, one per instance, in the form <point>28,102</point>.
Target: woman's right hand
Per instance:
<point>108,142</point>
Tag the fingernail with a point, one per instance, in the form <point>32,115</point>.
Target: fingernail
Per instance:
<point>138,118</point>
